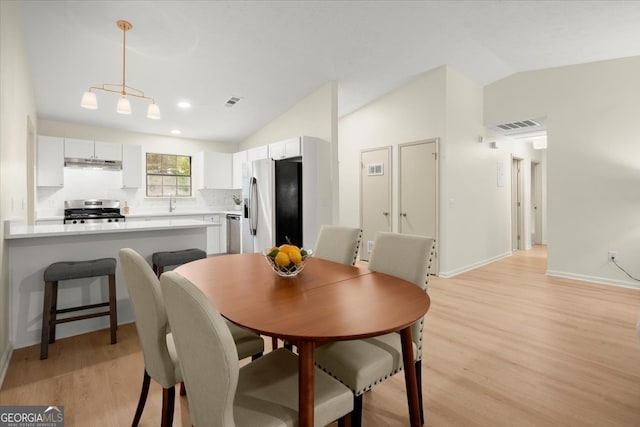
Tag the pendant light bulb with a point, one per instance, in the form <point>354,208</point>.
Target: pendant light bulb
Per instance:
<point>124,106</point>
<point>153,112</point>
<point>89,101</point>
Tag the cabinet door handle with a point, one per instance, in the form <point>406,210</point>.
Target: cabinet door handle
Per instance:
<point>403,214</point>
<point>385,213</point>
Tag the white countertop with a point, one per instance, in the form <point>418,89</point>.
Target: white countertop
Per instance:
<point>156,214</point>
<point>15,230</point>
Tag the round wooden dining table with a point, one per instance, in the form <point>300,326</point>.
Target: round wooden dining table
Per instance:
<point>325,302</point>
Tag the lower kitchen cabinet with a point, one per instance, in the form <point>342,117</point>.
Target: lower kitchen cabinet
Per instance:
<point>217,234</point>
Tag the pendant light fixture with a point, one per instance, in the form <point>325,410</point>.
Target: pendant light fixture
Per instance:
<point>90,101</point>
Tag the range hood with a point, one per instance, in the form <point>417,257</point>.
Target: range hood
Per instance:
<point>72,162</point>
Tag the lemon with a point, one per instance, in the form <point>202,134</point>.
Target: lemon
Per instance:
<point>282,259</point>
<point>286,248</point>
<point>295,256</point>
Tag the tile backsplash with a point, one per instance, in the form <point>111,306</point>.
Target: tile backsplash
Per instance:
<point>105,184</point>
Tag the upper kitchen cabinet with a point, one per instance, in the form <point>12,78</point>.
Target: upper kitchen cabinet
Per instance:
<point>85,149</point>
<point>285,149</point>
<point>50,161</point>
<point>212,170</point>
<point>107,151</point>
<point>258,153</point>
<point>131,166</point>
<point>239,159</point>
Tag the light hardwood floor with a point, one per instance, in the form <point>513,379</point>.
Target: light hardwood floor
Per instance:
<point>505,345</point>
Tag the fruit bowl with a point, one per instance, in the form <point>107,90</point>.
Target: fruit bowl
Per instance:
<point>289,266</point>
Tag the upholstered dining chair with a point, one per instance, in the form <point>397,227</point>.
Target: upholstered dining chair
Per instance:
<point>262,393</point>
<point>361,364</point>
<point>338,243</point>
<point>156,340</point>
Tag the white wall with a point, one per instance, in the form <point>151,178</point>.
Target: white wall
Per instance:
<point>593,161</point>
<point>474,213</point>
<point>475,219</point>
<point>413,112</point>
<point>314,115</point>
<point>90,183</point>
<point>17,107</point>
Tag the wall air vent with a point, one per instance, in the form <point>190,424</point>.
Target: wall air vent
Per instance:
<point>231,101</point>
<point>529,126</point>
<point>518,125</point>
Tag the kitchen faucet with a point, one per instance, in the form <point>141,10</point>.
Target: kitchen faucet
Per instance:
<point>172,203</point>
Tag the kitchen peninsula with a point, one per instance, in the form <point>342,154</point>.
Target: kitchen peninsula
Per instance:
<point>33,247</point>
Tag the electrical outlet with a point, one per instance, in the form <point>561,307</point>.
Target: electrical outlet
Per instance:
<point>612,255</point>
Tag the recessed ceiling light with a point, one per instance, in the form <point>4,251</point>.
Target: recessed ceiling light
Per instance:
<point>184,105</point>
<point>176,131</point>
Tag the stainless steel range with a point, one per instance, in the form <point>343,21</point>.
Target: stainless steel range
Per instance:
<point>92,211</point>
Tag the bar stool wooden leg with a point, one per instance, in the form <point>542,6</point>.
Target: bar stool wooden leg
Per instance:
<point>46,318</point>
<point>159,270</point>
<point>54,312</point>
<point>113,310</point>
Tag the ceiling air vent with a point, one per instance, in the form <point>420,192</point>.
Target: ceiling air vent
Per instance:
<point>232,101</point>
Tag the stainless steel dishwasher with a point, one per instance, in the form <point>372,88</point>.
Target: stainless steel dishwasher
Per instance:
<point>233,233</point>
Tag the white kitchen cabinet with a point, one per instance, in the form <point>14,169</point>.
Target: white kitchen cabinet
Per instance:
<point>86,149</point>
<point>214,234</point>
<point>78,148</point>
<point>285,149</point>
<point>213,170</point>
<point>131,166</point>
<point>239,159</point>
<point>107,150</point>
<point>223,234</point>
<point>50,161</point>
<point>258,153</point>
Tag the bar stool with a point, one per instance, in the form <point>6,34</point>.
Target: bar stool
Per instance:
<point>160,260</point>
<point>67,270</point>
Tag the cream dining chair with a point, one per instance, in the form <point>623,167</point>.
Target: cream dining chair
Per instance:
<point>338,243</point>
<point>262,393</point>
<point>361,364</point>
<point>156,340</point>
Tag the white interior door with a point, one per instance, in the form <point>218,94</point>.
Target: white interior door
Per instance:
<point>517,220</point>
<point>375,196</point>
<point>418,190</point>
<point>536,203</point>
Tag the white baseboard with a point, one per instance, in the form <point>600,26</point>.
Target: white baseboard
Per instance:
<point>593,279</point>
<point>452,273</point>
<point>4,363</point>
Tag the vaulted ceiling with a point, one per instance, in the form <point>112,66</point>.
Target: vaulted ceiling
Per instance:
<point>271,54</point>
